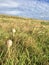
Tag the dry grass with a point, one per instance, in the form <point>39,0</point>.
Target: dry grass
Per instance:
<point>30,41</point>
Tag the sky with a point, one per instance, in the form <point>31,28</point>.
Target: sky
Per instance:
<point>37,9</point>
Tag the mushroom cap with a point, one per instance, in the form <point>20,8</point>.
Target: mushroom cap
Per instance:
<point>9,43</point>
<point>13,30</point>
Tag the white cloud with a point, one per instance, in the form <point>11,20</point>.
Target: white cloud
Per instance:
<point>13,12</point>
<point>28,8</point>
<point>9,4</point>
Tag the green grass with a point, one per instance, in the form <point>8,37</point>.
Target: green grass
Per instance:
<point>45,23</point>
<point>30,43</point>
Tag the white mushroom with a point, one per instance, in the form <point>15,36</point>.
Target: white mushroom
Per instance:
<point>13,30</point>
<point>9,43</point>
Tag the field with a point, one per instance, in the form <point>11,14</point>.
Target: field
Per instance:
<point>30,41</point>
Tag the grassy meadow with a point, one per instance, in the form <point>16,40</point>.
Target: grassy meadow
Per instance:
<point>30,42</point>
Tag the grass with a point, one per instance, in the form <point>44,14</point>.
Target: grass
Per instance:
<point>30,41</point>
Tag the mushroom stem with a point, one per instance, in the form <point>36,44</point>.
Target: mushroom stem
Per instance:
<point>9,44</point>
<point>8,52</point>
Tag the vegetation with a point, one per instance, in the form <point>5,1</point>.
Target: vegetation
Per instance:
<point>30,42</point>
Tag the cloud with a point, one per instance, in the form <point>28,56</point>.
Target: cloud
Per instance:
<point>25,8</point>
<point>9,4</point>
<point>13,12</point>
<point>35,9</point>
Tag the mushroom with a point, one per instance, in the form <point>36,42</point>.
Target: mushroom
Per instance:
<point>13,30</point>
<point>9,43</point>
